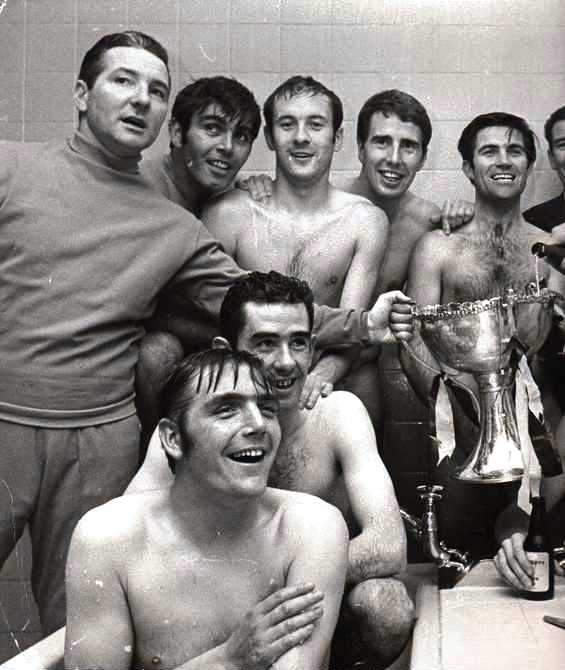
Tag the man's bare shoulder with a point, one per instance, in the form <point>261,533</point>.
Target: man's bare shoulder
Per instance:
<point>435,243</point>
<point>361,210</point>
<point>419,211</point>
<point>299,509</point>
<point>120,522</point>
<point>228,202</point>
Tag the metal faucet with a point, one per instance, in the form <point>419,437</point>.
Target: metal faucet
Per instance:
<point>452,564</point>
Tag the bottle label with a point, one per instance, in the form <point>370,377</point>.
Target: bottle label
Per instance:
<point>540,561</point>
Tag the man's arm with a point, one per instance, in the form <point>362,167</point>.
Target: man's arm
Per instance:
<point>100,632</point>
<point>320,555</point>
<point>424,286</point>
<point>372,233</point>
<point>222,217</point>
<point>380,548</point>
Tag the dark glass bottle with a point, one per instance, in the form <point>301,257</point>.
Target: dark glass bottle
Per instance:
<point>555,252</point>
<point>540,553</point>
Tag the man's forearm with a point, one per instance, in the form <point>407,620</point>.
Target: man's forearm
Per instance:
<point>371,559</point>
<point>336,326</point>
<point>333,367</point>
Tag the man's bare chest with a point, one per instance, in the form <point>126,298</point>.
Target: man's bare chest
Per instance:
<point>305,468</point>
<point>486,266</point>
<point>318,254</point>
<point>184,604</point>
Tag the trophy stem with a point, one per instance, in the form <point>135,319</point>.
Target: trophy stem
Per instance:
<point>497,458</point>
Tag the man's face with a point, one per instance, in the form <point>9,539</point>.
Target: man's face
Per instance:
<point>500,167</point>
<point>279,334</point>
<point>234,435</point>
<point>127,104</point>
<point>557,152</point>
<point>214,148</point>
<point>392,155</point>
<point>303,137</point>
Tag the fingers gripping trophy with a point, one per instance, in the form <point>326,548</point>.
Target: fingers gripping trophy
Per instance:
<point>487,339</point>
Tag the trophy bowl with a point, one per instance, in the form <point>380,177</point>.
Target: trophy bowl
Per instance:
<point>480,337</point>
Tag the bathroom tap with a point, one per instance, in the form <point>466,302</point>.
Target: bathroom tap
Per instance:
<point>452,564</point>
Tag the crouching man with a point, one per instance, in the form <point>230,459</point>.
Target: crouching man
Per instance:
<point>217,570</point>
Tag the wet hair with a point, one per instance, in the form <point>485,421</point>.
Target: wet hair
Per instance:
<point>201,373</point>
<point>234,100</point>
<point>466,144</point>
<point>401,104</point>
<point>557,115</point>
<point>298,85</point>
<point>265,288</point>
<point>93,61</point>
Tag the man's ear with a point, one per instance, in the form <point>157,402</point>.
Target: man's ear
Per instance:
<point>169,435</point>
<point>468,171</point>
<point>175,133</point>
<point>268,138</point>
<point>220,343</point>
<point>338,140</point>
<point>80,95</point>
<point>361,152</point>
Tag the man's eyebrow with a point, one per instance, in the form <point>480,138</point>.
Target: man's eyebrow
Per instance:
<point>136,74</point>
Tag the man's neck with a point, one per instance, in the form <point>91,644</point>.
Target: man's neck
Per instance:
<point>291,421</point>
<point>207,516</point>
<point>505,215</point>
<point>90,142</point>
<point>300,196</point>
<point>391,206</point>
<point>194,194</point>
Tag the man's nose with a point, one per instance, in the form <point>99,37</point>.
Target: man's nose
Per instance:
<point>141,95</point>
<point>254,419</point>
<point>394,152</point>
<point>284,360</point>
<point>226,143</point>
<point>302,135</point>
<point>503,158</point>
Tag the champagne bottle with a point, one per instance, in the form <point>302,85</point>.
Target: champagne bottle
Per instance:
<point>540,553</point>
<point>555,252</point>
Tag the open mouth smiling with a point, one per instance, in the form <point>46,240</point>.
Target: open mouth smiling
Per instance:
<point>504,177</point>
<point>248,456</point>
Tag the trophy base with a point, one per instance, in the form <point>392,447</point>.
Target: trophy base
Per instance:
<point>471,476</point>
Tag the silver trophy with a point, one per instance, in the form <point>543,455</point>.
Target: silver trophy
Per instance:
<point>480,337</point>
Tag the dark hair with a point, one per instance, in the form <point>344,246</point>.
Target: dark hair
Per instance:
<point>201,373</point>
<point>234,99</point>
<point>93,61</point>
<point>262,288</point>
<point>466,144</point>
<point>295,86</point>
<point>557,115</point>
<point>401,104</point>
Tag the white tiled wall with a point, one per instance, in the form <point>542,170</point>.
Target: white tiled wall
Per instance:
<point>459,57</point>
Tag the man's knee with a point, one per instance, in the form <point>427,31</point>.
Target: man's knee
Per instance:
<point>384,613</point>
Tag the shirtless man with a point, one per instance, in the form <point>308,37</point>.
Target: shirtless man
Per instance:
<point>393,133</point>
<point>216,571</point>
<point>214,122</point>
<point>308,229</point>
<point>483,259</point>
<point>329,451</point>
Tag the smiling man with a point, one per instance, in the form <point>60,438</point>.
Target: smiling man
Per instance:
<point>308,229</point>
<point>329,451</point>
<point>483,259</point>
<point>87,248</point>
<point>218,571</point>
